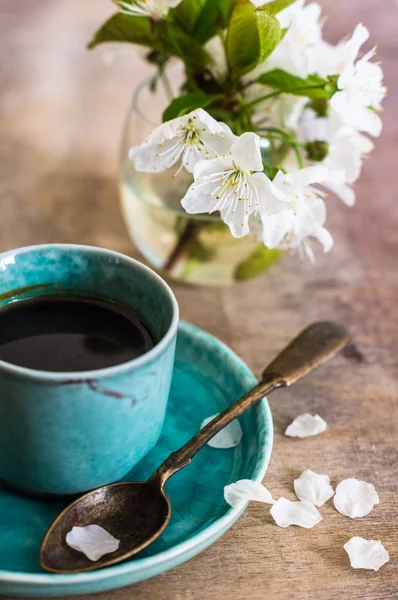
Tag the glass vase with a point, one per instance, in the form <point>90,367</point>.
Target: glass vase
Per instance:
<point>195,249</point>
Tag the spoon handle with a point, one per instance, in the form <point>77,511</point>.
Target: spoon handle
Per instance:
<point>313,346</point>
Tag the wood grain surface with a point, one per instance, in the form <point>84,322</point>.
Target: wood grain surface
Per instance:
<point>62,110</point>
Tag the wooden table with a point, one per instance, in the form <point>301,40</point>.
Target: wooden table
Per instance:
<point>62,111</point>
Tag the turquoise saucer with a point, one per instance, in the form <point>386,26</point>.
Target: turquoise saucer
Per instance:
<point>208,377</point>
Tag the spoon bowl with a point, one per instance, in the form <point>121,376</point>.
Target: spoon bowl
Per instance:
<point>135,513</point>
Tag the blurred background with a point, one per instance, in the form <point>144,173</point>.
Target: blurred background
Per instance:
<point>62,111</point>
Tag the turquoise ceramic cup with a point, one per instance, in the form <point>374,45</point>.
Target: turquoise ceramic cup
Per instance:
<point>65,433</point>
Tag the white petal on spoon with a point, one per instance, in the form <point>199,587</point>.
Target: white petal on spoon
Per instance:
<point>366,554</point>
<point>246,490</point>
<point>306,425</point>
<point>285,513</point>
<point>355,498</point>
<point>313,488</point>
<point>229,437</point>
<point>92,540</point>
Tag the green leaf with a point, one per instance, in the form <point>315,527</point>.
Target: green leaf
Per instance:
<point>164,37</point>
<point>243,42</point>
<point>184,104</point>
<point>125,28</point>
<point>213,17</point>
<point>226,7</point>
<point>205,27</point>
<point>185,47</point>
<point>257,262</point>
<point>312,87</point>
<point>276,6</point>
<point>283,33</point>
<point>187,13</point>
<point>269,31</point>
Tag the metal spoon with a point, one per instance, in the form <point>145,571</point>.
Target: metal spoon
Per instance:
<point>137,513</point>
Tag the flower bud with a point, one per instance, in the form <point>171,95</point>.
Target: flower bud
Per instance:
<point>317,150</point>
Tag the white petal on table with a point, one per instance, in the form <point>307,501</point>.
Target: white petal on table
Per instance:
<point>246,490</point>
<point>285,513</point>
<point>229,437</point>
<point>366,554</point>
<point>313,488</point>
<point>355,498</point>
<point>306,425</point>
<point>92,540</point>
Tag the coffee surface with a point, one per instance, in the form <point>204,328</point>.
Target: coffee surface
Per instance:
<point>69,333</point>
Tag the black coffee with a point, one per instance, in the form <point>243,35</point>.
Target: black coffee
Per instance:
<point>67,333</point>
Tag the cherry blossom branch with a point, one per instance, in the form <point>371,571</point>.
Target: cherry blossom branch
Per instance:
<point>190,233</point>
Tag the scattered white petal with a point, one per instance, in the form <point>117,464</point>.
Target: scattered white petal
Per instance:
<point>366,554</point>
<point>247,490</point>
<point>285,513</point>
<point>313,488</point>
<point>306,425</point>
<point>355,498</point>
<point>229,437</point>
<point>92,540</point>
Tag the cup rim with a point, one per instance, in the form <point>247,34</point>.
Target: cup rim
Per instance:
<point>76,376</point>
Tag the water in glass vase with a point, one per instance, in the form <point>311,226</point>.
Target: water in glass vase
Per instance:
<point>198,249</point>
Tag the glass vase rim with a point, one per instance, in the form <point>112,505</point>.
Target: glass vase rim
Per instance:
<point>144,84</point>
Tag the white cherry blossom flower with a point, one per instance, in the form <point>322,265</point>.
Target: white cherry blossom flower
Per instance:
<point>155,9</point>
<point>347,148</point>
<point>327,59</point>
<point>344,161</point>
<point>191,138</point>
<point>234,185</point>
<point>366,554</point>
<point>284,111</point>
<point>304,31</point>
<point>94,541</point>
<point>311,127</point>
<point>360,85</point>
<point>298,211</point>
<point>361,94</point>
